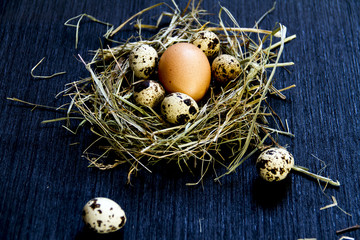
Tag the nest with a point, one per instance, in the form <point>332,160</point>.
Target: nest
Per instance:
<point>232,122</point>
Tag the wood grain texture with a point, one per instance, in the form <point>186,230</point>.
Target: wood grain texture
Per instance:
<point>45,182</point>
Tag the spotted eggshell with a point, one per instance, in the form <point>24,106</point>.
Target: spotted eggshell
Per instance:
<point>149,93</point>
<point>103,215</point>
<point>143,59</point>
<point>274,164</point>
<point>225,67</point>
<point>208,42</point>
<point>179,108</point>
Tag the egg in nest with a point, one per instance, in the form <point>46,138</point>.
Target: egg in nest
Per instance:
<point>208,42</point>
<point>184,68</point>
<point>143,59</point>
<point>179,108</point>
<point>149,93</point>
<point>225,68</point>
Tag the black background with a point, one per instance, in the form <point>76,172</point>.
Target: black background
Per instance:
<point>45,182</point>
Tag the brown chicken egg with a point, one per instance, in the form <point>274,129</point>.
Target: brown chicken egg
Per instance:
<point>184,68</point>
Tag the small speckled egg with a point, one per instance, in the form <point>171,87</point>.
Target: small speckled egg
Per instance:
<point>103,215</point>
<point>143,59</point>
<point>225,67</point>
<point>274,164</point>
<point>149,93</point>
<point>185,68</point>
<point>208,42</point>
<point>179,108</point>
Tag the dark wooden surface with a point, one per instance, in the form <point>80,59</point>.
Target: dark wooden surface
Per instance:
<point>45,182</point>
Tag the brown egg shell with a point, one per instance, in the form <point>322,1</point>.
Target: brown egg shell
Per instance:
<point>185,68</point>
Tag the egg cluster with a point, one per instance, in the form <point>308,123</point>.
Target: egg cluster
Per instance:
<point>182,76</point>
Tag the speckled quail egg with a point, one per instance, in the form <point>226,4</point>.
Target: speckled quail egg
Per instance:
<point>274,164</point>
<point>208,42</point>
<point>143,59</point>
<point>179,108</point>
<point>149,93</point>
<point>103,215</point>
<point>225,67</point>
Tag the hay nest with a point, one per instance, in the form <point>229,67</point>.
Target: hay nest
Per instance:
<point>232,122</point>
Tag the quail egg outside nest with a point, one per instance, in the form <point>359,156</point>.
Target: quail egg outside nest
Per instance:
<point>274,164</point>
<point>103,215</point>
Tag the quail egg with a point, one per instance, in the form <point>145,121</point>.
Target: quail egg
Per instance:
<point>179,108</point>
<point>208,42</point>
<point>103,215</point>
<point>149,93</point>
<point>225,67</point>
<point>143,59</point>
<point>274,164</point>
